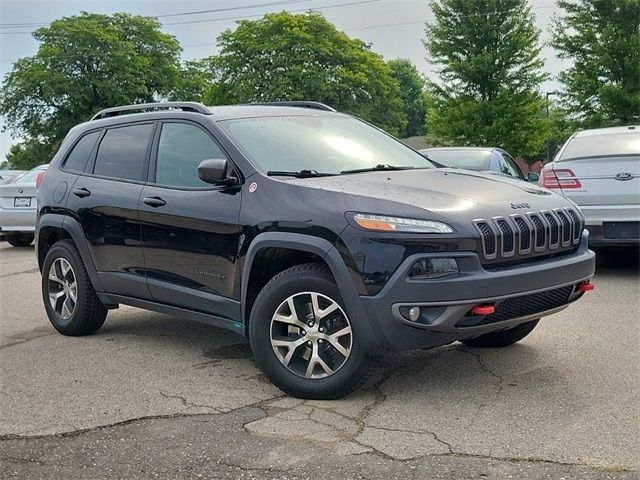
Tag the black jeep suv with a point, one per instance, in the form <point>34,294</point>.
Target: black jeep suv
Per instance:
<point>322,239</point>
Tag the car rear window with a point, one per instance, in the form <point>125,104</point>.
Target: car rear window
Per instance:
<point>123,151</point>
<point>77,159</point>
<point>468,159</point>
<point>602,145</point>
<point>28,177</point>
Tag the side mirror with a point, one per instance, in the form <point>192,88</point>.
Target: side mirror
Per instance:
<point>533,177</point>
<point>215,171</point>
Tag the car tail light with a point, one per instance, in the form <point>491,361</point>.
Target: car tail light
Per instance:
<point>562,178</point>
<point>39,178</point>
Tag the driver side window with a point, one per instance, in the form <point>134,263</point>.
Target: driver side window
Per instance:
<point>180,150</point>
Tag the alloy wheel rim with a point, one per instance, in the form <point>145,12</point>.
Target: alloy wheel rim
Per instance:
<point>311,335</point>
<point>63,288</point>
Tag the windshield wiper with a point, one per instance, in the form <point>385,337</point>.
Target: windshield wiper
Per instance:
<point>299,174</point>
<point>382,166</point>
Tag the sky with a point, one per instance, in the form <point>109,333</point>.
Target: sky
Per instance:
<point>394,28</point>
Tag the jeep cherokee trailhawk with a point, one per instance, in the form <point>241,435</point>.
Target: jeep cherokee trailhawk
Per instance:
<point>322,239</point>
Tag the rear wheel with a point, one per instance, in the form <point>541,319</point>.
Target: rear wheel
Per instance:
<point>503,338</point>
<point>302,337</point>
<point>19,239</point>
<point>69,299</point>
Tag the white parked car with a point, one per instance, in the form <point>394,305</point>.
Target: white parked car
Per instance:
<point>600,171</point>
<point>18,207</point>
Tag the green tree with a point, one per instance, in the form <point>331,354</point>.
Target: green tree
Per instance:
<point>84,63</point>
<point>193,82</point>
<point>487,54</point>
<point>412,93</point>
<point>602,38</point>
<point>304,57</point>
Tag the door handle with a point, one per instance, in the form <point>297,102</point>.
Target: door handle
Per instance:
<point>81,192</point>
<point>154,202</point>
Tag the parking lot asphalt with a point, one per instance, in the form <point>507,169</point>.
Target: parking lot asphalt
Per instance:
<point>151,396</point>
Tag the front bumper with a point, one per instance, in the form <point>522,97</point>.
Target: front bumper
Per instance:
<point>531,290</point>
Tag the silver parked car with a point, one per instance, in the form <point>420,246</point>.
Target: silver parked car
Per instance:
<point>6,176</point>
<point>480,159</point>
<point>18,207</point>
<point>600,171</point>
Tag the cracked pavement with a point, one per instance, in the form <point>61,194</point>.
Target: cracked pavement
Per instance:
<point>150,396</point>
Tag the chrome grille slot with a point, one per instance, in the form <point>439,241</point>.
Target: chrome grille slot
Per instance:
<point>577,226</point>
<point>508,243</point>
<point>565,227</point>
<point>540,232</point>
<point>554,230</point>
<point>525,234</point>
<point>488,239</point>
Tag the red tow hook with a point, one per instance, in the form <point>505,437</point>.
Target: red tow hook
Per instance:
<point>585,287</point>
<point>483,310</point>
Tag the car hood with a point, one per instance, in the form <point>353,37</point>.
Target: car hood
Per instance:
<point>445,191</point>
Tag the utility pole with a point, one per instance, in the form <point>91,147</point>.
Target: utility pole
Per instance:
<point>549,140</point>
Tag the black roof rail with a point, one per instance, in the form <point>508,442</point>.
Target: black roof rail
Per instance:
<point>299,103</point>
<point>184,106</point>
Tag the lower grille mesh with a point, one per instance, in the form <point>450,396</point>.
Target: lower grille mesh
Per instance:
<point>524,305</point>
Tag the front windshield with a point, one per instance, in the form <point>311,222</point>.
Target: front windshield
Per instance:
<point>324,143</point>
<point>467,159</point>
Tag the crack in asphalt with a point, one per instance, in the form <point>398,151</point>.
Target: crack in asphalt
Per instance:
<point>485,368</point>
<point>31,270</point>
<point>264,406</point>
<point>25,340</point>
<point>308,415</point>
<point>187,404</point>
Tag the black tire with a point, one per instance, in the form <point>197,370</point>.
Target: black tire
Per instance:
<point>310,277</point>
<point>19,239</point>
<point>89,313</point>
<point>503,338</point>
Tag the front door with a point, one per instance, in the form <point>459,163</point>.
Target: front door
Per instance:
<point>190,230</point>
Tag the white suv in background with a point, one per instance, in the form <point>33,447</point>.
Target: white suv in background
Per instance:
<point>600,171</point>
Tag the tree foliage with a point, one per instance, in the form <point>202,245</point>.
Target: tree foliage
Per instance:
<point>412,94</point>
<point>487,53</point>
<point>602,38</point>
<point>304,57</point>
<point>84,63</point>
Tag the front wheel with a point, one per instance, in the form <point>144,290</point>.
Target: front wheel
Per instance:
<point>302,337</point>
<point>503,338</point>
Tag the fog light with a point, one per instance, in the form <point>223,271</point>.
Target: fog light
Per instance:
<point>433,268</point>
<point>414,314</point>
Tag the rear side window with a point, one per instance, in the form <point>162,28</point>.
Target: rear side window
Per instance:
<point>77,159</point>
<point>180,150</point>
<point>122,152</point>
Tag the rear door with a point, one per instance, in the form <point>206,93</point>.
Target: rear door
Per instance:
<point>105,201</point>
<point>190,230</point>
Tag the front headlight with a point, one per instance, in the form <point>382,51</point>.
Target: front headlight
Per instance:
<point>382,223</point>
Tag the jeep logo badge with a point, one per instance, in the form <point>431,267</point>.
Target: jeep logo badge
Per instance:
<point>624,176</point>
<point>516,206</point>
